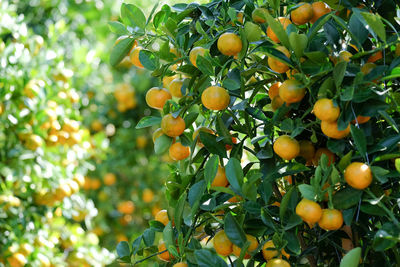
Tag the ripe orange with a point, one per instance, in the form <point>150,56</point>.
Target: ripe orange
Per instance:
<point>125,37</point>
<point>309,211</point>
<point>180,264</point>
<point>141,141</point>
<point>215,98</point>
<point>358,175</point>
<point>235,199</point>
<point>157,133</point>
<point>292,91</point>
<point>325,110</point>
<point>167,80</point>
<point>277,263</point>
<point>277,65</point>
<point>171,126</point>
<point>274,90</point>
<point>175,87</point>
<point>148,195</point>
<point>331,219</point>
<point>197,132</point>
<point>228,146</point>
<point>269,254</point>
<point>33,142</point>
<point>290,73</point>
<point>302,14</point>
<point>367,68</point>
<point>220,178</point>
<point>165,256</point>
<point>135,57</point>
<point>286,147</point>
<point>162,216</point>
<point>126,207</point>
<point>229,44</point>
<point>307,149</point>
<point>110,179</point>
<point>156,97</point>
<point>330,129</point>
<point>253,246</point>
<point>177,151</point>
<point>194,53</point>
<point>270,33</point>
<point>222,244</point>
<point>17,260</point>
<point>327,152</point>
<point>375,57</point>
<point>319,9</point>
<point>361,119</point>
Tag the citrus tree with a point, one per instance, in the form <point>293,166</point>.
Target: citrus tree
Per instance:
<point>282,119</point>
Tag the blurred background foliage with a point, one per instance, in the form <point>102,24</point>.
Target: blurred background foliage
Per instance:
<point>75,177</point>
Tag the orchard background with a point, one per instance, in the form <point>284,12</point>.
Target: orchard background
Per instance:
<point>222,133</point>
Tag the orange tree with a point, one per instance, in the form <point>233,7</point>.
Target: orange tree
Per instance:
<point>282,118</point>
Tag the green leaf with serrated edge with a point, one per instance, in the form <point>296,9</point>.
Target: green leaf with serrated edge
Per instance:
<point>352,258</point>
<point>285,202</point>
<point>210,169</point>
<point>234,231</point>
<point>120,50</point>
<point>148,121</point>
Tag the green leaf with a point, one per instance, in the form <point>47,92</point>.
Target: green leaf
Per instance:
<point>148,121</point>
<point>234,174</point>
<point>345,161</point>
<point>149,60</point>
<point>190,118</point>
<point>376,24</point>
<point>308,191</point>
<point>278,29</point>
<point>118,28</point>
<point>298,42</point>
<point>352,258</point>
<point>338,73</point>
<point>149,236</point>
<point>204,65</point>
<point>120,50</point>
<point>206,258</point>
<point>210,169</point>
<point>210,143</point>
<point>359,140</point>
<point>162,144</point>
<point>346,198</point>
<point>123,249</point>
<point>285,202</point>
<point>168,235</point>
<point>136,244</point>
<point>379,173</point>
<point>179,210</point>
<point>133,16</point>
<point>234,231</point>
<point>397,164</point>
<point>389,120</point>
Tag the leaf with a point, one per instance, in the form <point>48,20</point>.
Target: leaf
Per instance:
<point>379,173</point>
<point>278,29</point>
<point>298,42</point>
<point>234,174</point>
<point>338,73</point>
<point>179,210</point>
<point>234,231</point>
<point>148,59</point>
<point>168,235</point>
<point>285,202</point>
<point>397,164</point>
<point>120,50</point>
<point>149,236</point>
<point>358,29</point>
<point>346,198</point>
<point>352,258</point>
<point>136,245</point>
<point>118,28</point>
<point>345,161</point>
<point>308,191</point>
<point>206,258</point>
<point>376,24</point>
<point>389,120</point>
<point>162,144</point>
<point>123,249</point>
<point>210,143</point>
<point>210,169</point>
<point>148,121</point>
<point>133,16</point>
<point>204,65</point>
<point>359,139</point>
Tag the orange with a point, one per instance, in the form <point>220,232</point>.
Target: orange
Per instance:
<point>194,53</point>
<point>307,149</point>
<point>96,126</point>
<point>175,87</point>
<point>309,211</point>
<point>180,264</point>
<point>110,179</point>
<point>228,146</point>
<point>258,15</point>
<point>141,141</point>
<point>62,191</point>
<point>222,245</point>
<point>271,34</point>
<point>235,199</point>
<point>215,98</point>
<point>269,254</point>
<point>367,68</point>
<point>162,216</point>
<point>253,246</point>
<point>302,14</point>
<point>125,37</point>
<point>135,57</point>
<point>197,132</point>
<point>290,73</point>
<point>33,142</point>
<point>220,178</point>
<point>167,80</point>
<point>327,152</point>
<point>286,147</point>
<point>156,97</point>
<point>361,119</point>
<point>274,90</point>
<point>95,184</point>
<point>177,151</point>
<point>157,133</point>
<point>331,219</point>
<point>345,56</point>
<point>358,175</point>
<point>319,9</point>
<point>165,256</point>
<point>240,17</point>
<point>375,57</point>
<point>277,65</point>
<point>148,195</point>
<point>330,129</point>
<point>126,207</point>
<point>277,263</point>
<point>325,110</point>
<point>17,260</point>
<point>172,126</point>
<point>292,91</point>
<point>229,44</point>
<point>277,102</point>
